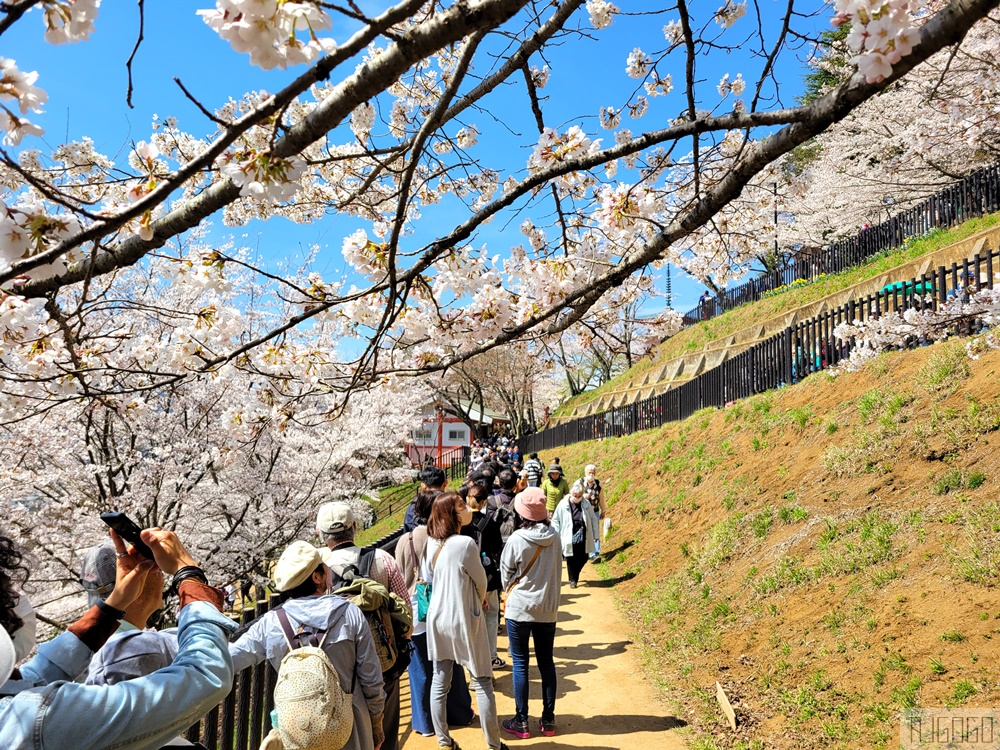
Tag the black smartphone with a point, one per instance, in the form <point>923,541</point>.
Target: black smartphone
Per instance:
<point>128,530</point>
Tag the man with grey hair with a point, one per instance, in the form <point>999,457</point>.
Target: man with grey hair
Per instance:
<point>336,525</point>
<point>132,651</point>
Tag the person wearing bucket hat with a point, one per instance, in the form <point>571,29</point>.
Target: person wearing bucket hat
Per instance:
<point>303,578</point>
<point>336,525</point>
<point>555,488</point>
<point>531,571</point>
<point>42,708</point>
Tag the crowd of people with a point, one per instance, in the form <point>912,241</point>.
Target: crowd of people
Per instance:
<point>494,548</point>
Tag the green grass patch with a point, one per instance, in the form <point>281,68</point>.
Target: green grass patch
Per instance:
<point>946,368</point>
<point>976,555</point>
<point>958,480</point>
<point>864,544</point>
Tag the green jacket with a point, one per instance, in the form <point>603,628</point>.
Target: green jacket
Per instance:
<point>554,492</point>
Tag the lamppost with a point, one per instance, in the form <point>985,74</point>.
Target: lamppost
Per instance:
<point>440,424</point>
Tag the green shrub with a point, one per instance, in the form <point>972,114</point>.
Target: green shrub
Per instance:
<point>963,690</point>
<point>761,522</point>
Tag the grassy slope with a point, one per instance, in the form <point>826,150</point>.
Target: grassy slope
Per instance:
<point>696,337</point>
<point>395,519</point>
<point>828,552</point>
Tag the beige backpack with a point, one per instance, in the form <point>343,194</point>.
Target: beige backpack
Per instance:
<point>314,712</point>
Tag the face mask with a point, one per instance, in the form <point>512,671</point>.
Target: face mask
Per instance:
<point>24,637</point>
<point>575,499</point>
<point>465,516</point>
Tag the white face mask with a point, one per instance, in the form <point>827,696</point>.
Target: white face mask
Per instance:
<point>576,499</point>
<point>24,637</point>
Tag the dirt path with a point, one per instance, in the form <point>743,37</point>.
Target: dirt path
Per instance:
<point>603,700</point>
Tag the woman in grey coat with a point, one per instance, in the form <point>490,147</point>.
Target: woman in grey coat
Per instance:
<point>456,628</point>
<point>531,570</point>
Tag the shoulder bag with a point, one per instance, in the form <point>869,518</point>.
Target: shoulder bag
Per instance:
<point>424,587</point>
<point>512,584</point>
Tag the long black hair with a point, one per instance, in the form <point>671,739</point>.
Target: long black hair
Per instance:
<point>13,574</point>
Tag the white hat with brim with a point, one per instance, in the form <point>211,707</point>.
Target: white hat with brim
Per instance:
<point>295,565</point>
<point>7,656</point>
<point>334,518</point>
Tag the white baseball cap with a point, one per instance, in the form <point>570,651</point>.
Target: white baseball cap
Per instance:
<point>333,518</point>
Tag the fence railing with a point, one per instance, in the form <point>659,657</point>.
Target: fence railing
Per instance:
<point>391,500</point>
<point>243,719</point>
<point>975,195</point>
<point>786,357</point>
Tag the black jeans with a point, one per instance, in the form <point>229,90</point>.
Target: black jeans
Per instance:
<point>575,563</point>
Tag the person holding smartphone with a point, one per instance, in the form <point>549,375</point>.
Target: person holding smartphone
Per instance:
<point>40,708</point>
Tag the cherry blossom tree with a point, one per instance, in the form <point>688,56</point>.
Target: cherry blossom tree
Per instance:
<point>692,189</point>
<point>147,364</point>
<point>971,310</point>
<point>176,459</point>
<point>516,380</point>
<point>922,133</point>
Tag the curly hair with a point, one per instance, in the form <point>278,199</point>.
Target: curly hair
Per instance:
<point>13,574</point>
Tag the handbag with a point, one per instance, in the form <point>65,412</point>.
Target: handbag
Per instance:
<point>424,588</point>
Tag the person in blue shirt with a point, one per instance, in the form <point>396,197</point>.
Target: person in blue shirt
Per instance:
<point>41,708</point>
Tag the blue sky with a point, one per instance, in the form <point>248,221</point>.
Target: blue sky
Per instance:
<point>87,82</point>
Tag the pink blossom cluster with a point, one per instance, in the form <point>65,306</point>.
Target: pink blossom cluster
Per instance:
<point>882,32</point>
<point>68,21</point>
<point>18,86</point>
<point>29,227</point>
<point>275,33</point>
<point>262,176</point>
<point>896,330</point>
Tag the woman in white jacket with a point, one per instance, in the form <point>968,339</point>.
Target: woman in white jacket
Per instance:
<point>577,524</point>
<point>456,628</point>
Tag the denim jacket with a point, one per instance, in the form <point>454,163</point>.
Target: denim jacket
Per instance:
<point>142,713</point>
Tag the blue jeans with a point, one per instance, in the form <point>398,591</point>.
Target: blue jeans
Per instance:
<point>544,634</point>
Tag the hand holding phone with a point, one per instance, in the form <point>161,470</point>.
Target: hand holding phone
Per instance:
<point>128,530</point>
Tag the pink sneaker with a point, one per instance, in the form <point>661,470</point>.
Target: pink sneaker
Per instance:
<point>517,728</point>
<point>548,727</point>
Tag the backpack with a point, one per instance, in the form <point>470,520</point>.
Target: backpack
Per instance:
<point>479,522</point>
<point>506,517</point>
<point>388,617</point>
<point>314,712</point>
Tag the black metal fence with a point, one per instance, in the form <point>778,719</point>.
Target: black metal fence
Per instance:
<point>786,357</point>
<point>975,195</point>
<point>391,500</point>
<point>243,719</point>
